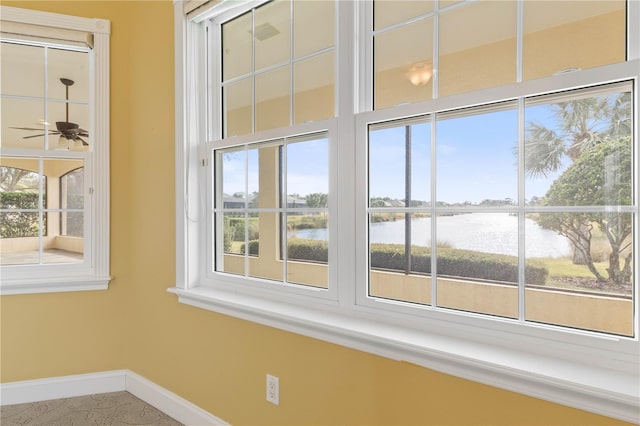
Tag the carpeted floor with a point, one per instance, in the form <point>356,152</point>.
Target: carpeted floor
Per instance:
<point>112,409</point>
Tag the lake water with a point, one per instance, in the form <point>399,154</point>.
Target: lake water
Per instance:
<point>486,232</point>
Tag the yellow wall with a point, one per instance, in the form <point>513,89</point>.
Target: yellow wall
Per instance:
<point>217,362</point>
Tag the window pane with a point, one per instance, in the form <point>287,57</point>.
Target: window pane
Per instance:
<point>477,263</point>
<point>19,205</point>
<point>476,163</point>
<point>587,284</point>
<point>265,260</point>
<point>71,65</point>
<point>234,226</point>
<point>69,132</point>
<point>314,90</point>
<point>64,215</point>
<point>272,34</point>
<point>273,95</point>
<point>565,35</point>
<point>477,47</point>
<point>400,256</point>
<point>233,178</point>
<point>578,150</point>
<point>23,123</point>
<point>264,176</point>
<point>237,47</point>
<point>308,173</point>
<point>22,70</point>
<point>237,107</point>
<point>313,26</point>
<point>72,200</point>
<point>403,75</point>
<point>389,12</point>
<point>399,165</point>
<point>307,249</point>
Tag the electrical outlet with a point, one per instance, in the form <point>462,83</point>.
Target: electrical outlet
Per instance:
<point>273,389</point>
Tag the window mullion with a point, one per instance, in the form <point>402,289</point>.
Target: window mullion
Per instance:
<point>521,214</point>
<point>434,215</point>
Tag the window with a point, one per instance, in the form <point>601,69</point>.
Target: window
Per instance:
<point>54,154</point>
<point>477,169</point>
<point>72,203</point>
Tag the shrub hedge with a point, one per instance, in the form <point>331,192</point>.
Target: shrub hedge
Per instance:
<point>16,224</point>
<point>453,262</point>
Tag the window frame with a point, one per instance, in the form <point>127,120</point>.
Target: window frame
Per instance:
<point>93,272</point>
<point>586,370</point>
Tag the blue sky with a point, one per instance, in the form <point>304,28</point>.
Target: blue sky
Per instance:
<point>475,160</point>
<point>475,156</point>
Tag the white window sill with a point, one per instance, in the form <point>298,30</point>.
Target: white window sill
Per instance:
<point>596,387</point>
<point>53,285</point>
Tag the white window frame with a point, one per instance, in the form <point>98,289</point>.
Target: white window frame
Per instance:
<point>93,272</point>
<point>590,371</point>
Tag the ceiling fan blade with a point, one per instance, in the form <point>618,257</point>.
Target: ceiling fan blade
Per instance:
<point>28,128</point>
<point>84,143</point>
<point>43,134</point>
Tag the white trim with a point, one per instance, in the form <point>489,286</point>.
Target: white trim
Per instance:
<point>61,387</point>
<point>109,381</point>
<point>168,402</point>
<point>56,20</point>
<point>601,389</point>
<point>54,285</point>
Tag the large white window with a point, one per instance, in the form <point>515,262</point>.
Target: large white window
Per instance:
<point>54,192</point>
<point>451,183</point>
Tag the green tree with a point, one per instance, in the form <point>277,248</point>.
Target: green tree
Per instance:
<point>581,124</point>
<point>317,200</point>
<point>601,176</point>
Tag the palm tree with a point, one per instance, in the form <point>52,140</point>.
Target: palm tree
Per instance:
<point>580,125</point>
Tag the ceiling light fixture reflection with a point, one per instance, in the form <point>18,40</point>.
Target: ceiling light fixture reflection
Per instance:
<point>420,73</point>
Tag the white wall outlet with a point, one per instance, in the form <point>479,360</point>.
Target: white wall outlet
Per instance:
<point>273,389</point>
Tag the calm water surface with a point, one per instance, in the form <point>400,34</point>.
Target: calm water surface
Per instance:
<point>486,232</point>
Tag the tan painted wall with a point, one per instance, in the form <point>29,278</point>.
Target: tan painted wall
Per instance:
<point>215,361</point>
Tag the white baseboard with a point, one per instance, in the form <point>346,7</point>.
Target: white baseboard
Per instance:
<point>109,381</point>
<point>169,403</point>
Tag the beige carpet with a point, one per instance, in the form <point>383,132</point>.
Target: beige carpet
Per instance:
<point>112,409</point>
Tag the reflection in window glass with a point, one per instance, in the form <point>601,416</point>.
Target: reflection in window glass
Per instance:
<point>477,47</point>
<point>237,47</point>
<point>238,117</point>
<point>273,99</point>
<point>476,164</point>
<point>272,33</point>
<point>389,12</point>
<point>569,35</point>
<point>314,92</point>
<point>23,123</point>
<point>313,26</point>
<point>403,75</point>
<point>19,60</point>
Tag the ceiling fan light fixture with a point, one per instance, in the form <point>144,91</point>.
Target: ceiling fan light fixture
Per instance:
<point>420,73</point>
<point>63,143</point>
<point>78,145</point>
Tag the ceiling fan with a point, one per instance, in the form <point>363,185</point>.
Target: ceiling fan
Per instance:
<point>68,131</point>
